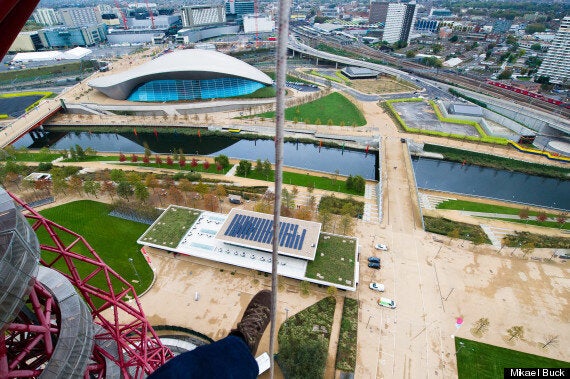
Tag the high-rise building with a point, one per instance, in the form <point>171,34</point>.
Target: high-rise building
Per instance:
<point>202,15</point>
<point>75,17</point>
<point>378,12</point>
<point>45,16</point>
<point>238,9</point>
<point>399,20</point>
<point>556,65</point>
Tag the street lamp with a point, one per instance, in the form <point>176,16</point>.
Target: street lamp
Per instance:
<point>134,269</point>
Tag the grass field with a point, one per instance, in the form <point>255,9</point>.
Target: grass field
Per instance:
<point>480,361</point>
<point>304,180</point>
<point>171,226</point>
<point>113,239</point>
<point>500,209</point>
<point>334,260</point>
<point>465,231</point>
<point>334,109</point>
<point>72,68</point>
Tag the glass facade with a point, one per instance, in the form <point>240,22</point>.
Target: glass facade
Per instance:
<point>175,90</point>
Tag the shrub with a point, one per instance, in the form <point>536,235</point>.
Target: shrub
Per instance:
<point>337,206</point>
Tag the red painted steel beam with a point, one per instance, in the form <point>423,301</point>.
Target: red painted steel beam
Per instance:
<point>13,16</point>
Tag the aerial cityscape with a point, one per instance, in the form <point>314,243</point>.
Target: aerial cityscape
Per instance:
<point>416,225</point>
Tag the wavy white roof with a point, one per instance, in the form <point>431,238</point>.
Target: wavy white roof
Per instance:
<point>192,64</point>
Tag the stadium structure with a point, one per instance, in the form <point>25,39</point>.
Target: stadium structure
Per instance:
<point>192,74</point>
<point>54,322</point>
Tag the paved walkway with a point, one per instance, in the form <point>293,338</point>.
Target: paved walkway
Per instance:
<point>333,342</point>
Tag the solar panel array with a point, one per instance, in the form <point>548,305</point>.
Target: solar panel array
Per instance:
<point>261,230</point>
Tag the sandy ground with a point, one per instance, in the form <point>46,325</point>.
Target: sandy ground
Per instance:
<point>433,281</point>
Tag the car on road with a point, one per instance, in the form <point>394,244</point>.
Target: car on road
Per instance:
<point>377,287</point>
<point>375,265</point>
<point>380,246</point>
<point>388,303</point>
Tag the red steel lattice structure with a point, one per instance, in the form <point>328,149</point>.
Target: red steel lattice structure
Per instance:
<point>135,348</point>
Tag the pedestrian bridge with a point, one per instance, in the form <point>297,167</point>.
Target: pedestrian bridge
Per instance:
<point>28,121</point>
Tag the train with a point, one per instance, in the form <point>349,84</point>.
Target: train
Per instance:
<point>525,92</point>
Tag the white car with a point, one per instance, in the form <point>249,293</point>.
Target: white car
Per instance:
<point>388,303</point>
<point>377,287</point>
<point>380,246</point>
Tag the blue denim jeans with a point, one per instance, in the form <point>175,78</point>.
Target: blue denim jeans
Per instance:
<point>227,358</point>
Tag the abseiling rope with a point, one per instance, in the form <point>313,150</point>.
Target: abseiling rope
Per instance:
<point>281,69</point>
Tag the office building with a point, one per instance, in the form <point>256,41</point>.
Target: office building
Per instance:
<point>235,10</point>
<point>556,65</point>
<point>26,41</point>
<point>202,15</point>
<point>76,17</point>
<point>67,37</point>
<point>45,16</point>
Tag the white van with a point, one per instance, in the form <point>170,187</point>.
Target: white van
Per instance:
<point>385,302</point>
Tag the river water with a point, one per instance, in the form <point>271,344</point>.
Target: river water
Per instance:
<point>433,174</point>
<point>439,175</point>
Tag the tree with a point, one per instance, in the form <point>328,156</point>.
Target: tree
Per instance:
<point>266,168</point>
<point>222,160</point>
<point>151,181</point>
<point>325,218</point>
<point>124,190</point>
<point>169,161</point>
<point>91,187</point>
<point>536,47</point>
<point>210,202</point>
<point>141,192</point>
<point>206,165</point>
<point>411,53</point>
<point>258,167</point>
<point>146,160</point>
<point>303,213</point>
<point>453,234</point>
<point>454,39</point>
<point>524,214</point>
<point>515,332</point>
<point>185,186</point>
<point>436,48</point>
<point>505,74</point>
<point>541,216</point>
<point>202,188</point>
<point>481,326</point>
<point>109,188</point>
<point>157,160</point>
<point>243,168</point>
<point>527,248</point>
<point>534,28</point>
<point>175,194</point>
<point>59,185</point>
<point>133,177</point>
<point>193,162</point>
<point>122,157</point>
<point>346,223</point>
<point>76,184</point>
<point>287,199</point>
<point>182,161</point>
<point>550,340</point>
<point>263,206</point>
<point>134,158</point>
<point>561,219</point>
<point>117,175</point>
<point>221,191</point>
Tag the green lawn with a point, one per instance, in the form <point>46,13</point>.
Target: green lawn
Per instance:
<point>334,109</point>
<point>500,209</point>
<point>480,360</point>
<point>346,352</point>
<point>289,78</point>
<point>33,157</point>
<point>113,239</point>
<point>171,226</point>
<point>334,261</point>
<point>304,180</point>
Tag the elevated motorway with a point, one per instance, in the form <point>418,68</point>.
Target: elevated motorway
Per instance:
<point>28,122</point>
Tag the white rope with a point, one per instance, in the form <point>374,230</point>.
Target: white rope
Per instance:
<point>281,69</point>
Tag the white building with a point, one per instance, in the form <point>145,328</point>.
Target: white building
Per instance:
<point>45,16</point>
<point>253,23</point>
<point>400,19</point>
<point>556,65</point>
<point>202,15</point>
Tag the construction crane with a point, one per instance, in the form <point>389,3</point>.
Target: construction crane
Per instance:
<point>122,15</point>
<point>150,14</point>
